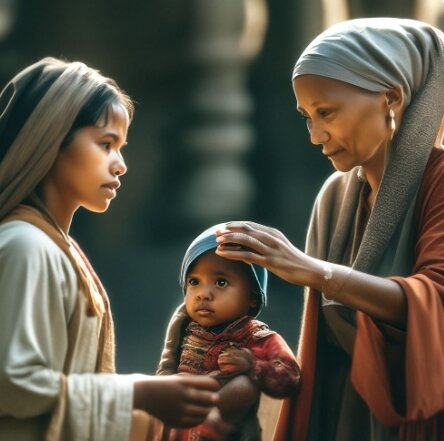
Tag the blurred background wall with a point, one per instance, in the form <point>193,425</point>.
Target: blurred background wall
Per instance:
<point>216,134</point>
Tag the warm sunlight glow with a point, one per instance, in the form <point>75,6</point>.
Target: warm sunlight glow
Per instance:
<point>334,12</point>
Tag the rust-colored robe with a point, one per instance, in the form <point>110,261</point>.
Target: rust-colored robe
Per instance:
<point>398,374</point>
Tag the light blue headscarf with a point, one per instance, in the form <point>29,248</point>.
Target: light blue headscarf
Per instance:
<point>373,53</point>
<point>207,241</point>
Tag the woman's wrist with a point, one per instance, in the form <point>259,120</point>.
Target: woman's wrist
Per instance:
<point>331,279</point>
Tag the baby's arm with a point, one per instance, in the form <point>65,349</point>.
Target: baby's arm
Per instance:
<point>236,399</point>
<point>275,369</point>
<point>269,363</point>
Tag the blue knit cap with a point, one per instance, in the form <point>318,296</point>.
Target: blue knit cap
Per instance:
<point>207,241</point>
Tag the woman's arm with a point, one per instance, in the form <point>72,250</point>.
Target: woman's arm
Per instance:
<point>381,298</point>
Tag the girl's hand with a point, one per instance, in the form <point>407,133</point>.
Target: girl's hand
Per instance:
<point>178,400</point>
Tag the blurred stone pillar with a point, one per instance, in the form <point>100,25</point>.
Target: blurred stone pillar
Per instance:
<point>381,8</point>
<point>430,11</point>
<point>8,12</point>
<point>213,183</point>
<point>7,16</point>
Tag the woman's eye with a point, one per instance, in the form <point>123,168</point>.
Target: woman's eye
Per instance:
<point>307,120</point>
<point>106,146</point>
<point>324,113</point>
<point>221,283</point>
<point>303,116</point>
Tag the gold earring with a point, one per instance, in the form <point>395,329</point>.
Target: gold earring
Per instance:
<point>392,123</point>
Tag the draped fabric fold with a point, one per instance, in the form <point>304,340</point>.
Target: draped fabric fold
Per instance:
<point>86,279</point>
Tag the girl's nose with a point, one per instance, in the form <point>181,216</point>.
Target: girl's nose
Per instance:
<point>118,166</point>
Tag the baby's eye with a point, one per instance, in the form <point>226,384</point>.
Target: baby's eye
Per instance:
<point>221,283</point>
<point>192,281</point>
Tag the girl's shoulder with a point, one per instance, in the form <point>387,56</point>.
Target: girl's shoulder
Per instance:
<point>20,239</point>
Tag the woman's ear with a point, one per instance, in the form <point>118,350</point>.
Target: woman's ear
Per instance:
<point>396,99</point>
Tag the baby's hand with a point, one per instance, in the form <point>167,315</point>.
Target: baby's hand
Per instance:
<point>177,400</point>
<point>234,361</point>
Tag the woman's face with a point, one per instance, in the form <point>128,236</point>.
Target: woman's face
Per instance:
<point>218,290</point>
<point>350,123</point>
<point>86,172</point>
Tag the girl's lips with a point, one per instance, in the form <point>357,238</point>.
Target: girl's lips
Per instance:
<point>111,191</point>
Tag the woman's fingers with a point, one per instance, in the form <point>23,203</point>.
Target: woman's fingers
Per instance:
<point>249,235</point>
<point>249,242</point>
<point>266,246</point>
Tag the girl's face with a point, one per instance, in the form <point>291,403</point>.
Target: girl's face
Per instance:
<point>350,123</point>
<point>86,172</point>
<point>218,290</point>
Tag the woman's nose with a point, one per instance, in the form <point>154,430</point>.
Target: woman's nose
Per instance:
<point>318,135</point>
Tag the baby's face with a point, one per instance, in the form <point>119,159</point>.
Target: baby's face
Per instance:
<point>218,290</point>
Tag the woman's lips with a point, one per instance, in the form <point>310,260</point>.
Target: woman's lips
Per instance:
<point>333,154</point>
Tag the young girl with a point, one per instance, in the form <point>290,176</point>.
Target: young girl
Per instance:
<point>216,333</point>
<point>62,130</point>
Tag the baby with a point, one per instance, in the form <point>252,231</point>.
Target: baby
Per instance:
<point>215,332</point>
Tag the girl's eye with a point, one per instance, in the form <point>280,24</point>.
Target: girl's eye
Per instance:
<point>106,146</point>
<point>221,283</point>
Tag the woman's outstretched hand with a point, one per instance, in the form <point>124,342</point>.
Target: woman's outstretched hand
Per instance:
<point>178,400</point>
<point>268,247</point>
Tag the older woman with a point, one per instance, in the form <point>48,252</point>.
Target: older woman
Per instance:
<point>371,349</point>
